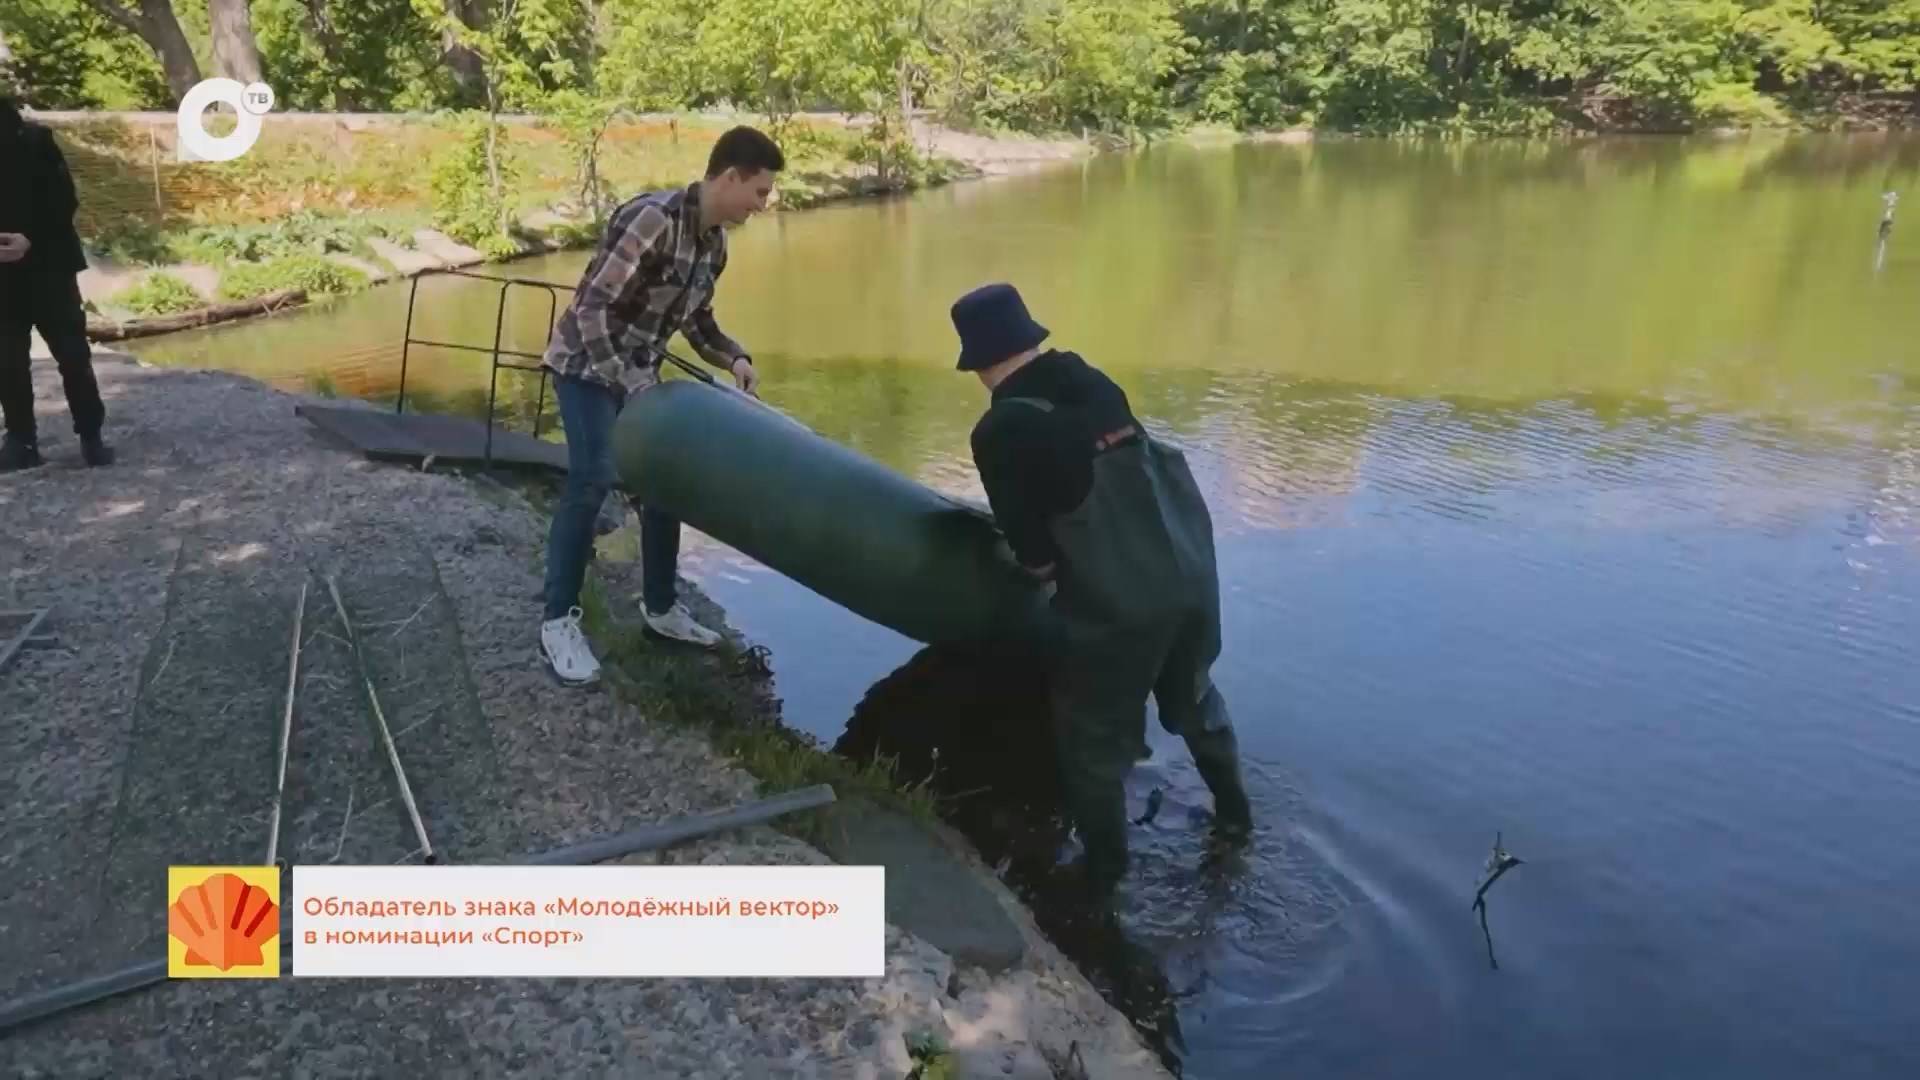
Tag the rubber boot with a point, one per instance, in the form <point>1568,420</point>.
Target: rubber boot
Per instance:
<point>17,453</point>
<point>1217,755</point>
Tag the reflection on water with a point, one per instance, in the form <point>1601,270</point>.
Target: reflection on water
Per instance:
<point>1568,492</point>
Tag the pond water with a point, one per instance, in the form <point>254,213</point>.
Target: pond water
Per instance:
<point>1567,492</point>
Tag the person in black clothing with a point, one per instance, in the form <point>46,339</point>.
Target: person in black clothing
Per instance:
<point>40,263</point>
<point>1088,500</point>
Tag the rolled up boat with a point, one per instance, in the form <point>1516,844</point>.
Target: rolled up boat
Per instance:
<point>853,531</point>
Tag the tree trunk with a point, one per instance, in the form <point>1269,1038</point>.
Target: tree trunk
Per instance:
<point>235,52</point>
<point>101,329</point>
<point>468,69</point>
<point>156,24</point>
<point>903,76</point>
<point>493,156</point>
<point>344,97</point>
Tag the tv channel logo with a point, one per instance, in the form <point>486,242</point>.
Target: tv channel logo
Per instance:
<point>249,103</point>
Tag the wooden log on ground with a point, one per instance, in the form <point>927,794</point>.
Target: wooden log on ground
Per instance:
<point>99,329</point>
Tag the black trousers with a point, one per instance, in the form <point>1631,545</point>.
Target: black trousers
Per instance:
<point>50,303</point>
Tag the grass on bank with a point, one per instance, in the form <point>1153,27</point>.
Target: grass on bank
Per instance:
<point>315,275</point>
<point>720,694</point>
<point>321,186</point>
<point>160,294</point>
<point>717,695</point>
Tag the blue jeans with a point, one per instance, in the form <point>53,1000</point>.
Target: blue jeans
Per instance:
<point>587,412</point>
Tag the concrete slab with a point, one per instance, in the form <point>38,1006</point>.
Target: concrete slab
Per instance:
<point>406,262</point>
<point>374,273</point>
<point>931,892</point>
<point>545,220</point>
<point>449,251</point>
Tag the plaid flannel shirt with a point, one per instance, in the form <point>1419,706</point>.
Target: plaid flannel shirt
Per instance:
<point>654,274</point>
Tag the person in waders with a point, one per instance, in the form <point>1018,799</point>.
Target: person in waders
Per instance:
<point>1088,500</point>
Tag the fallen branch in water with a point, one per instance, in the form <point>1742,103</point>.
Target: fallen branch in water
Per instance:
<point>1498,864</point>
<point>100,329</point>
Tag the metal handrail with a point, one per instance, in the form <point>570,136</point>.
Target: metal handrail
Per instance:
<point>499,322</point>
<point>496,352</point>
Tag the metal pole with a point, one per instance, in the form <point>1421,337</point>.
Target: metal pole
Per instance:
<point>380,720</point>
<point>649,837</point>
<point>406,346</point>
<point>26,632</point>
<point>286,726</point>
<point>540,403</point>
<point>493,381</point>
<point>23,1011</point>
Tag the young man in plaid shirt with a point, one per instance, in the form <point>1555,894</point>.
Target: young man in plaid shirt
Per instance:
<point>653,275</point>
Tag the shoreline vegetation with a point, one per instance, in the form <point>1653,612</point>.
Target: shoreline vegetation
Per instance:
<point>320,211</point>
<point>327,205</point>
<point>412,133</point>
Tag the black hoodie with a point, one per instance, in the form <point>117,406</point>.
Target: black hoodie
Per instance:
<point>37,197</point>
<point>1035,464</point>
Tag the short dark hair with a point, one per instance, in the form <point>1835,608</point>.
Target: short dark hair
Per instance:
<point>746,149</point>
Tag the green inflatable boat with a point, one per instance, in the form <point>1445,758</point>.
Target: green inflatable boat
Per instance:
<point>879,544</point>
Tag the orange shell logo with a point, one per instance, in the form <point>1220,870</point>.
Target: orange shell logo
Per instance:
<point>223,921</point>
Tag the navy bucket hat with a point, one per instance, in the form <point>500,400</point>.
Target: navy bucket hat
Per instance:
<point>993,324</point>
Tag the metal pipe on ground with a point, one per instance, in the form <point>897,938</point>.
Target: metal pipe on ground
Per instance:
<point>23,1011</point>
<point>286,728</point>
<point>380,726</point>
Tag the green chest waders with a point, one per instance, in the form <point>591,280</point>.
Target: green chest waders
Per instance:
<point>1138,605</point>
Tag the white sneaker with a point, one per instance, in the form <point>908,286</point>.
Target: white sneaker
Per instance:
<point>567,651</point>
<point>678,624</point>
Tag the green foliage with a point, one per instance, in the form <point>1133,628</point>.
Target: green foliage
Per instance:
<point>582,121</point>
<point>349,55</point>
<point>932,1060</point>
<point>652,58</point>
<point>1125,68</point>
<point>781,58</point>
<point>886,148</point>
<point>1049,65</point>
<point>315,274</point>
<point>303,232</point>
<point>1421,65</point>
<point>47,52</point>
<point>708,693</point>
<point>133,242</point>
<point>159,293</point>
<point>65,55</point>
<point>469,193</point>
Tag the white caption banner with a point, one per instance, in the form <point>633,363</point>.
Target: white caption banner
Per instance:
<point>620,921</point>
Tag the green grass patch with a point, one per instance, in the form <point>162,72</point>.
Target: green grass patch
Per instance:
<point>315,274</point>
<point>717,694</point>
<point>931,1058</point>
<point>314,188</point>
<point>133,242</point>
<point>159,294</point>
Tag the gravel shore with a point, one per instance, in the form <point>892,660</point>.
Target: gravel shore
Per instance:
<point>144,736</point>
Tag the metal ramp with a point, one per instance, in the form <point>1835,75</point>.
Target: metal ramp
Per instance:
<point>422,437</point>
